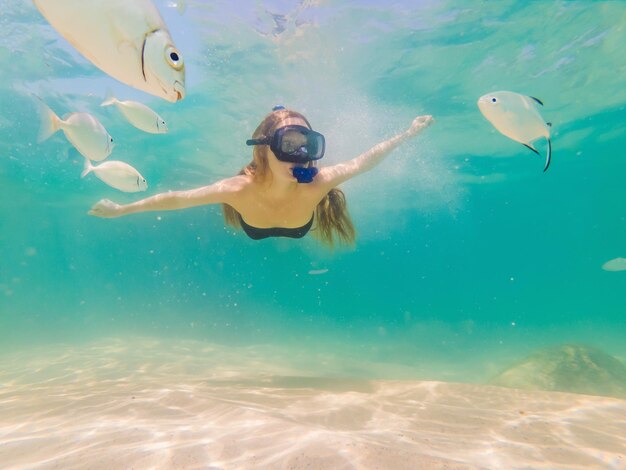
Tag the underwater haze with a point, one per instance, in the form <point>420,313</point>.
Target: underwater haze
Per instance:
<point>478,322</point>
<point>468,257</point>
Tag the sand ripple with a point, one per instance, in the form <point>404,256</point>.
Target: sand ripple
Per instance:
<point>151,405</point>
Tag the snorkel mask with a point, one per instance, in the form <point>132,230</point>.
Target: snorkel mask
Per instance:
<point>295,144</point>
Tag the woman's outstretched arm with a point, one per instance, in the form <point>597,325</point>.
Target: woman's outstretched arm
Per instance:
<point>220,192</point>
<point>337,174</point>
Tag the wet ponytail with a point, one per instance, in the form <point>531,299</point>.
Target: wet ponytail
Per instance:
<point>333,220</point>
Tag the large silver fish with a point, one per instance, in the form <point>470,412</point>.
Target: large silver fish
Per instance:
<point>517,117</point>
<point>127,39</point>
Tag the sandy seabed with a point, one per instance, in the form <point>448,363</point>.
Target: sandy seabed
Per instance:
<point>149,404</point>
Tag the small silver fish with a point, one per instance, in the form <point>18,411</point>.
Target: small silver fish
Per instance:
<point>139,115</point>
<point>118,175</point>
<point>317,272</point>
<point>517,117</point>
<point>617,264</point>
<point>83,131</point>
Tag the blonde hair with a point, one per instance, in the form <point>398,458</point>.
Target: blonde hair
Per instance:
<point>331,214</point>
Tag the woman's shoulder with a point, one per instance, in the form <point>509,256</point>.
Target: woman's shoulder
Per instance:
<point>237,183</point>
<point>234,187</point>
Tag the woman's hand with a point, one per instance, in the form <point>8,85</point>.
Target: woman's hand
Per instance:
<point>420,123</point>
<point>106,209</point>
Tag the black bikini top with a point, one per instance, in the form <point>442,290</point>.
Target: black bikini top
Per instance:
<point>257,233</point>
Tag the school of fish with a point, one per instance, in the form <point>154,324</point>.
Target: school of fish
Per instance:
<point>130,42</point>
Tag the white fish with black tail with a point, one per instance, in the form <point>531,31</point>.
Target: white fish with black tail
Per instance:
<point>128,40</point>
<point>517,117</point>
<point>83,131</point>
<point>118,175</point>
<point>139,115</point>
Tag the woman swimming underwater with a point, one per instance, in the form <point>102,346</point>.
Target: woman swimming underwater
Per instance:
<point>281,193</point>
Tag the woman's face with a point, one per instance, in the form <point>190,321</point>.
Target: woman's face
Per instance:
<point>280,169</point>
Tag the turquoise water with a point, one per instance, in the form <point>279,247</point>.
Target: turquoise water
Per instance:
<point>467,257</point>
